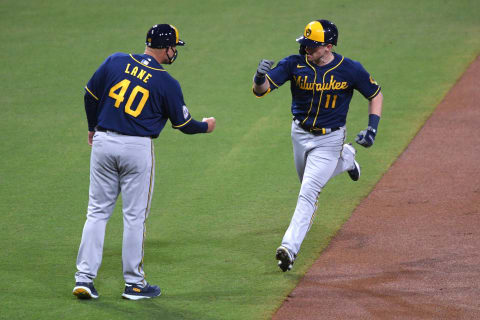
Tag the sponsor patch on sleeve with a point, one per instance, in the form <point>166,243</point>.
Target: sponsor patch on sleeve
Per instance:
<point>185,112</point>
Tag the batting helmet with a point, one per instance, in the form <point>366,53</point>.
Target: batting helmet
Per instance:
<point>318,33</point>
<point>163,36</point>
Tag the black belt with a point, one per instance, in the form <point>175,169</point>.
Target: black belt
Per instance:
<point>102,129</point>
<point>313,130</point>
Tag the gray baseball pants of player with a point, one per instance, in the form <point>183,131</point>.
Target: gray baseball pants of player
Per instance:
<point>125,164</point>
<point>317,160</point>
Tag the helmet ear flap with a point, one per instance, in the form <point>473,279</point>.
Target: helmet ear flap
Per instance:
<point>302,50</point>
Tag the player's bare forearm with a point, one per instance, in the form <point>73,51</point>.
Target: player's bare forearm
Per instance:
<point>375,105</point>
<point>261,89</point>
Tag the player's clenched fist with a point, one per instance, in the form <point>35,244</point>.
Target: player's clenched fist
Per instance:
<point>263,67</point>
<point>366,137</point>
<point>211,123</point>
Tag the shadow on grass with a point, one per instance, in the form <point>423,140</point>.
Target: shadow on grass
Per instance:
<point>142,309</point>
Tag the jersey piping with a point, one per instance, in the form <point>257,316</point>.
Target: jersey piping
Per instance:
<point>373,95</point>
<point>313,95</point>
<point>86,88</point>
<point>144,65</point>
<point>321,94</point>
<point>181,125</point>
<point>271,81</point>
<point>261,95</point>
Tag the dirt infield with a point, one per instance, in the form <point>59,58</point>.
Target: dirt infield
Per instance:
<point>411,250</point>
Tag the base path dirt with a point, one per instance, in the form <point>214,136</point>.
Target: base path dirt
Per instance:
<point>411,250</point>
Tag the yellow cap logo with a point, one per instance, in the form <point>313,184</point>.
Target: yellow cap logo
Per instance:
<point>136,290</point>
<point>314,31</point>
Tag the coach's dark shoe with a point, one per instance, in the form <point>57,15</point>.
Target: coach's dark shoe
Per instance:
<point>285,258</point>
<point>355,172</point>
<point>85,290</point>
<point>136,292</point>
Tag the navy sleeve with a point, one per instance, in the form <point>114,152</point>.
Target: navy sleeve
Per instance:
<point>96,85</point>
<point>175,105</point>
<point>280,74</point>
<point>364,82</point>
<point>91,110</point>
<point>194,126</point>
<point>277,76</point>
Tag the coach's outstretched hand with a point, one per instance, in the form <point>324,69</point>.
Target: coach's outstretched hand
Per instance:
<point>366,137</point>
<point>211,123</point>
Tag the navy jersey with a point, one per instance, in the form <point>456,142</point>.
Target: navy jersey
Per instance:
<point>136,96</point>
<point>321,95</point>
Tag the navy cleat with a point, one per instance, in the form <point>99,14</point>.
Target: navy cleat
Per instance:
<point>85,290</point>
<point>285,258</point>
<point>136,292</point>
<point>355,172</point>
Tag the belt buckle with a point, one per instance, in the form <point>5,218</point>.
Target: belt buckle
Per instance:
<point>319,131</point>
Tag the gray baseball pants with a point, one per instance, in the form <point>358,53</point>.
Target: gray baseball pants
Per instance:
<point>125,164</point>
<point>317,160</point>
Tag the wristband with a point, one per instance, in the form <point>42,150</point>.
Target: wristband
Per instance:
<point>259,79</point>
<point>373,121</point>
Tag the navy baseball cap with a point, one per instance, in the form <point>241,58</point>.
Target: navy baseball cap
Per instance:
<point>163,36</point>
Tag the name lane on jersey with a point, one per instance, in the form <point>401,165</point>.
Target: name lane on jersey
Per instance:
<point>142,74</point>
<point>302,83</point>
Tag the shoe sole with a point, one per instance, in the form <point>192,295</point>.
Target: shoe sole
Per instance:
<point>83,293</point>
<point>135,297</point>
<point>284,260</point>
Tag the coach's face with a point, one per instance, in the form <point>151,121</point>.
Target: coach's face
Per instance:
<point>170,54</point>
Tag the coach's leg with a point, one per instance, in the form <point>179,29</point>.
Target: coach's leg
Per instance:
<point>103,193</point>
<point>137,182</point>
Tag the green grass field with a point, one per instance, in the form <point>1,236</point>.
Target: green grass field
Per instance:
<point>222,201</point>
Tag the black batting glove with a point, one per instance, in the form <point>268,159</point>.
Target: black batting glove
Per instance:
<point>366,137</point>
<point>263,67</point>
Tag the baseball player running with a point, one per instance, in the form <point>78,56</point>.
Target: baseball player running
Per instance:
<point>128,100</point>
<point>322,84</point>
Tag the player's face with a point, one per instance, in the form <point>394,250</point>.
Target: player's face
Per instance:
<point>317,54</point>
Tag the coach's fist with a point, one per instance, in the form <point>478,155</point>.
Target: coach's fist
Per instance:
<point>211,123</point>
<point>366,137</point>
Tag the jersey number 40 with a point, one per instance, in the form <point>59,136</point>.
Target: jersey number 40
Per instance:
<point>118,91</point>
